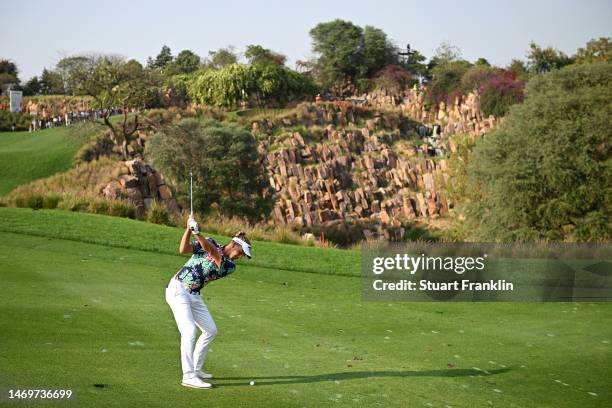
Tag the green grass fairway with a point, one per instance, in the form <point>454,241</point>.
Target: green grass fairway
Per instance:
<point>28,156</point>
<point>82,303</point>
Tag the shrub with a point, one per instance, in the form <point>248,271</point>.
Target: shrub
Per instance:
<point>98,206</point>
<point>74,204</point>
<point>51,201</point>
<point>8,120</point>
<point>100,145</point>
<point>446,82</point>
<point>285,235</point>
<point>34,201</point>
<point>475,77</point>
<point>499,93</point>
<point>546,173</point>
<point>259,84</point>
<point>225,165</point>
<point>118,208</point>
<point>158,214</point>
<point>393,78</point>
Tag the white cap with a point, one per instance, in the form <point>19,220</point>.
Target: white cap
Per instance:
<point>246,248</point>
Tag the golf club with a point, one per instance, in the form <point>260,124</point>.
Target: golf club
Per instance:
<point>191,191</point>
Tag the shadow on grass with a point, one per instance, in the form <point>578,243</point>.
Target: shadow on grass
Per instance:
<point>356,375</point>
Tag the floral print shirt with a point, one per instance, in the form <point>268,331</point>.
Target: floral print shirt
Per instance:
<point>201,268</point>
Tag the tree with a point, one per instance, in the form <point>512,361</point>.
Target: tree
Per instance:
<point>446,82</point>
<point>221,58</point>
<point>32,87</point>
<point>348,56</point>
<point>8,67</point>
<point>73,70</point>
<point>393,78</point>
<point>540,60</point>
<point>476,76</point>
<point>482,62</point>
<point>446,53</point>
<point>499,92</point>
<point>595,50</point>
<point>8,72</point>
<point>185,62</point>
<point>519,69</point>
<point>225,164</point>
<point>256,54</point>
<point>260,85</point>
<point>162,60</point>
<point>378,51</point>
<point>413,62</point>
<point>339,45</point>
<point>546,172</point>
<point>51,83</point>
<point>118,84</point>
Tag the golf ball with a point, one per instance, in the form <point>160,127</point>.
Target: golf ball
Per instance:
<point>252,383</point>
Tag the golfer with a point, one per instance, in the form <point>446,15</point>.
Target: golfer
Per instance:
<point>209,262</point>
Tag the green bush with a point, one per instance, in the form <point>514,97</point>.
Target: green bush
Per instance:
<point>259,84</point>
<point>285,235</point>
<point>123,209</point>
<point>51,201</point>
<point>546,172</point>
<point>225,164</point>
<point>8,120</point>
<point>158,214</point>
<point>80,204</point>
<point>34,201</point>
<point>499,93</point>
<point>98,206</point>
<point>475,77</point>
<point>447,82</point>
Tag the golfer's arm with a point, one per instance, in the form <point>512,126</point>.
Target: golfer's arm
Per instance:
<point>185,247</point>
<point>208,247</point>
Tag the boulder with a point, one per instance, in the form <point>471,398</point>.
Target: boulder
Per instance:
<point>135,196</point>
<point>112,190</point>
<point>164,192</point>
<point>152,181</point>
<point>422,204</point>
<point>128,181</point>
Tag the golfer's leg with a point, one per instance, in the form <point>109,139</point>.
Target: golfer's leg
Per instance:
<point>205,322</point>
<point>186,325</point>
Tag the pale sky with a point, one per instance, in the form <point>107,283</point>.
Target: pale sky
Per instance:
<point>36,34</point>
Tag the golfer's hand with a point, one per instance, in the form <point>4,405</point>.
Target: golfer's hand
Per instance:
<point>193,226</point>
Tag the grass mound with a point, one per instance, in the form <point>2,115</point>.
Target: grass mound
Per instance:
<point>28,156</point>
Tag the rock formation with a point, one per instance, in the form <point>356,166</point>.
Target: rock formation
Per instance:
<point>140,184</point>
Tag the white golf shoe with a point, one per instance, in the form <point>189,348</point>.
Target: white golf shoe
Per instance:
<point>204,376</point>
<point>195,382</point>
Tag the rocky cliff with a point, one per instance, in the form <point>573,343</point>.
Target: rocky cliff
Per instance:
<point>379,166</point>
<point>374,166</point>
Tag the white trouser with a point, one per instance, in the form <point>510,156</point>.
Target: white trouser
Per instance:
<point>190,312</point>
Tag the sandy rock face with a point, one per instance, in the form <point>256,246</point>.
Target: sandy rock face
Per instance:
<point>141,185</point>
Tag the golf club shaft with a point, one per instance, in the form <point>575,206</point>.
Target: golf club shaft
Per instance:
<point>191,191</point>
